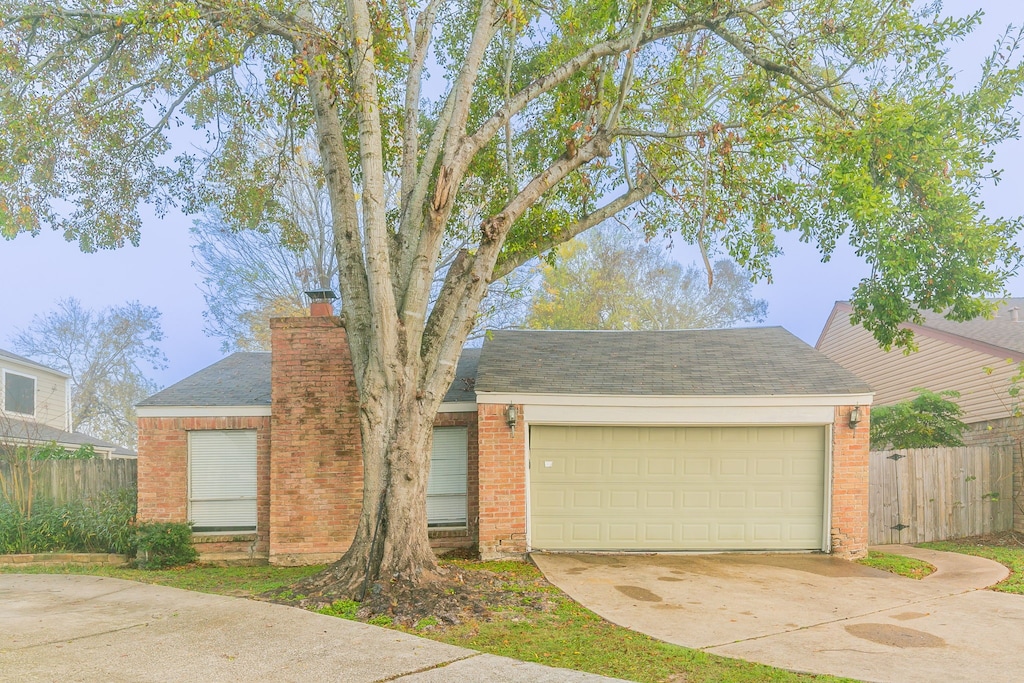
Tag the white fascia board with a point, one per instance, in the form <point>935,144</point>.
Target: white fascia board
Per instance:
<point>202,411</point>
<point>616,400</point>
<point>458,407</point>
<point>678,410</point>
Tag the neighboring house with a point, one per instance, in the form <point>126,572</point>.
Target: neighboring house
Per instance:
<point>650,441</point>
<point>36,408</point>
<point>976,358</point>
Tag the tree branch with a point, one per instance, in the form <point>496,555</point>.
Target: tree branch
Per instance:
<point>510,261</point>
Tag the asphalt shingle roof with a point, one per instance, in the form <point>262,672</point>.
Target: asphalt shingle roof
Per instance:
<point>38,432</point>
<point>463,388</point>
<point>735,362</point>
<point>1002,330</point>
<point>241,379</point>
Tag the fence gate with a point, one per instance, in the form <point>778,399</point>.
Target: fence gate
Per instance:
<point>933,494</point>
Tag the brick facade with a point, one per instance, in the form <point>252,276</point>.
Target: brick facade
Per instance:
<point>850,452</point>
<point>163,480</point>
<point>316,468</point>
<point>447,539</point>
<point>502,482</point>
<point>1006,436</point>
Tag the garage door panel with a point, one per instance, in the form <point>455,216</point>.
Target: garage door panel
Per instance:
<point>685,488</point>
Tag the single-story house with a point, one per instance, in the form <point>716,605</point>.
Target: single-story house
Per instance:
<point>36,408</point>
<point>693,440</point>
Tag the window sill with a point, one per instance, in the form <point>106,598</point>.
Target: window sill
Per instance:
<point>223,536</point>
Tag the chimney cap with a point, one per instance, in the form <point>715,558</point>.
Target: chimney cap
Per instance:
<point>321,295</point>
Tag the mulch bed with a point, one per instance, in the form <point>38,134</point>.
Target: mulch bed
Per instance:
<point>1005,539</point>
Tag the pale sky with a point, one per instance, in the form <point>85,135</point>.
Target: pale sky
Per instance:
<point>38,271</point>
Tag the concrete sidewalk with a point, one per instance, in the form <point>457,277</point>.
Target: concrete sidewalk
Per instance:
<point>812,613</point>
<point>86,628</point>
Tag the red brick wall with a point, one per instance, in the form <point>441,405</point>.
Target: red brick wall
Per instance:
<point>502,483</point>
<point>444,539</point>
<point>850,449</point>
<point>316,468</point>
<point>163,473</point>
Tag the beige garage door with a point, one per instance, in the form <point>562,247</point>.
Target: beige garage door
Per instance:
<point>677,488</point>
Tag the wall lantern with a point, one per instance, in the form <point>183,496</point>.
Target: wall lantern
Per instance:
<point>512,415</point>
<point>854,417</point>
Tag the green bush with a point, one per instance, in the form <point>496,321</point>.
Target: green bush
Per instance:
<point>164,544</point>
<point>103,524</point>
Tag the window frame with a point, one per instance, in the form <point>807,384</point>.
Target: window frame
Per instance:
<point>35,391</point>
<point>224,530</point>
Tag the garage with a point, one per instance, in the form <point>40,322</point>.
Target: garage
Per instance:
<point>677,488</point>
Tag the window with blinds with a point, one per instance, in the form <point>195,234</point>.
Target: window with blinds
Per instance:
<point>222,480</point>
<point>446,488</point>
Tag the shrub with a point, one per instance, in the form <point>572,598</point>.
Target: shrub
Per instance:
<point>104,524</point>
<point>164,544</point>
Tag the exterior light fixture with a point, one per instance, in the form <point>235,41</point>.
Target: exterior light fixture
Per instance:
<point>512,415</point>
<point>320,301</point>
<point>854,417</point>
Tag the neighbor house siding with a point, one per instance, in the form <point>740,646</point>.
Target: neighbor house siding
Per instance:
<point>163,480</point>
<point>937,365</point>
<point>51,399</point>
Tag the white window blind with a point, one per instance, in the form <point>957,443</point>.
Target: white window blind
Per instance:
<point>446,488</point>
<point>222,480</point>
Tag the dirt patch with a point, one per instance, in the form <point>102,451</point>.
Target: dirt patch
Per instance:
<point>456,594</point>
<point>1006,539</point>
<point>894,636</point>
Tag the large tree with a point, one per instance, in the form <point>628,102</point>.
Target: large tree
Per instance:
<point>620,280</point>
<point>722,120</point>
<point>107,353</point>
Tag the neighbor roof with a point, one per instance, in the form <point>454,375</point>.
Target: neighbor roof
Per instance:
<point>37,432</point>
<point>1002,330</point>
<point>29,361</point>
<point>736,362</point>
<point>241,379</point>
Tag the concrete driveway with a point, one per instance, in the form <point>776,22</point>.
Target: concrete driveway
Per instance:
<point>812,613</point>
<point>92,629</point>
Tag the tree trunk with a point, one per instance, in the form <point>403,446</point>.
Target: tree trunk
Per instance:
<point>391,545</point>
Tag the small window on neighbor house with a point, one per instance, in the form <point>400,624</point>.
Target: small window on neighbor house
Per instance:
<point>19,394</point>
<point>446,488</point>
<point>222,480</point>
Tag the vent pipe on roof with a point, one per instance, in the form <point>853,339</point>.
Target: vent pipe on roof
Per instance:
<point>1015,314</point>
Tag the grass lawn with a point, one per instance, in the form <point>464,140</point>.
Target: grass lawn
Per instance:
<point>898,564</point>
<point>543,626</point>
<point>245,582</point>
<point>1012,557</point>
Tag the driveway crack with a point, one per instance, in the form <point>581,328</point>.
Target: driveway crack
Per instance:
<point>439,665</point>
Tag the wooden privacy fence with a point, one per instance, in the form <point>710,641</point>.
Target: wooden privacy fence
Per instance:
<point>933,494</point>
<point>65,480</point>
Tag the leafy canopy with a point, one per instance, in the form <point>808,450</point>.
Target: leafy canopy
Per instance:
<point>617,280</point>
<point>721,121</point>
<point>929,420</point>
